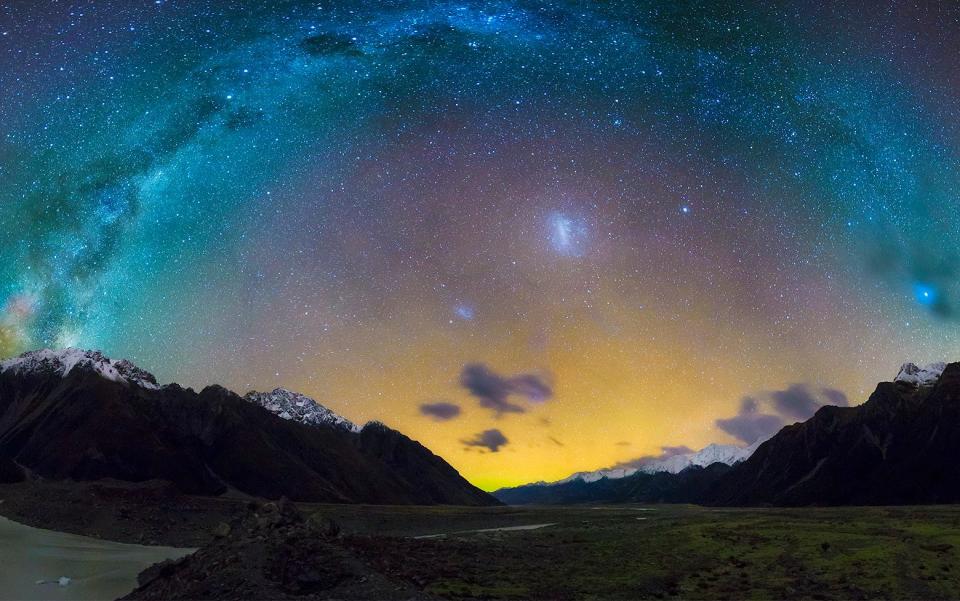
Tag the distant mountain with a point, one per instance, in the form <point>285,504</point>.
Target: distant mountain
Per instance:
<point>686,486</point>
<point>710,454</point>
<point>900,447</point>
<point>675,479</point>
<point>78,415</point>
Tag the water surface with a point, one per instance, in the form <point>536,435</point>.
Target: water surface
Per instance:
<point>97,569</point>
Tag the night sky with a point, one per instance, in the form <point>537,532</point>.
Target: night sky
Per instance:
<point>539,237</point>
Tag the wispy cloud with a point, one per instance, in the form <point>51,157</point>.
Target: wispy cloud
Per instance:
<point>495,391</point>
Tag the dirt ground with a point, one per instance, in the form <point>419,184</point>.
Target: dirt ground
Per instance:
<point>577,552</point>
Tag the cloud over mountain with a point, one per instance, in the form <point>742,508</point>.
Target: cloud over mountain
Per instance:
<point>749,425</point>
<point>762,415</point>
<point>665,453</point>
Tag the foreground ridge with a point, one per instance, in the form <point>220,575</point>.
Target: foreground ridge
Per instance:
<point>78,415</point>
<point>63,362</point>
<point>298,407</point>
<point>897,448</point>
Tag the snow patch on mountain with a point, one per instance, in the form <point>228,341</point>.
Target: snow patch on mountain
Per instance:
<point>613,474</point>
<point>298,407</point>
<point>928,375</point>
<point>710,454</point>
<point>63,362</point>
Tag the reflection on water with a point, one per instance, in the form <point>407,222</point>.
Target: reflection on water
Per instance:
<point>501,529</point>
<point>97,569</point>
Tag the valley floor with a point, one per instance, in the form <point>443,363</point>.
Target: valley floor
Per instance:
<point>669,551</point>
<point>609,552</point>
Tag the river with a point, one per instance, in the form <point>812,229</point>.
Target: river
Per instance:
<point>97,569</point>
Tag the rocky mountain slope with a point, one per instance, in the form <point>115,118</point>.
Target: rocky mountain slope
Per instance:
<point>79,415</point>
<point>900,447</point>
<point>298,407</point>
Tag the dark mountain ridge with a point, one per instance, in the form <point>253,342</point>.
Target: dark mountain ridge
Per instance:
<point>899,447</point>
<point>89,419</point>
<point>641,487</point>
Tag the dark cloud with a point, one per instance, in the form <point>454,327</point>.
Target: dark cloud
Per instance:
<point>440,411</point>
<point>797,402</point>
<point>672,452</point>
<point>665,453</point>
<point>532,387</point>
<point>835,397</point>
<point>749,425</point>
<point>623,443</point>
<point>555,441</point>
<point>494,391</point>
<point>491,440</point>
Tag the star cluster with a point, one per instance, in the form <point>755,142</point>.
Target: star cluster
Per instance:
<point>625,216</point>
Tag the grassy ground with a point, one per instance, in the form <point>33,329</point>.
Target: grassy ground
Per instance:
<point>606,552</point>
<point>624,552</point>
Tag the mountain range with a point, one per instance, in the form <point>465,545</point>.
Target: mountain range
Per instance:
<point>899,447</point>
<point>78,415</point>
<point>677,478</point>
<point>641,487</point>
<point>896,448</point>
<point>727,454</point>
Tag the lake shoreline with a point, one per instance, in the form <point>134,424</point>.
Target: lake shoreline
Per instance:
<point>41,564</point>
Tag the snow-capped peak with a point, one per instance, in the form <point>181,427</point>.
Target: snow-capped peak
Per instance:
<point>62,362</point>
<point>301,408</point>
<point>612,473</point>
<point>927,375</point>
<point>710,454</point>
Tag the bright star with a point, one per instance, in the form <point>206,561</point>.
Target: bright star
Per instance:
<point>925,294</point>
